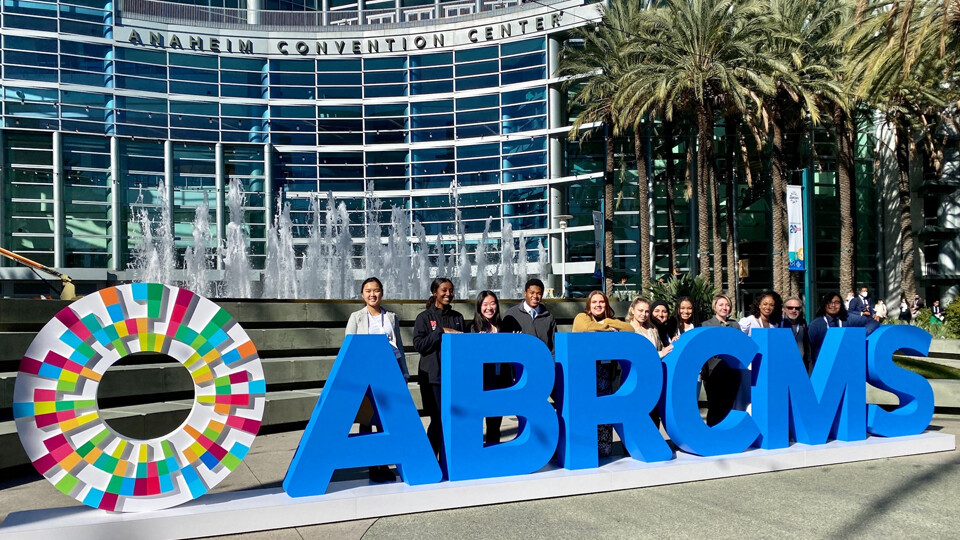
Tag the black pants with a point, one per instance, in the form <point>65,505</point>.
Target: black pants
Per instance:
<point>721,386</point>
<point>430,395</point>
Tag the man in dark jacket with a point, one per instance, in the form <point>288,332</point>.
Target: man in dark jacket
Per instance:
<point>530,317</point>
<point>793,319</point>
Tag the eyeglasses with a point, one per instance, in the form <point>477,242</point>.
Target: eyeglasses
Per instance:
<point>835,303</point>
<point>794,308</point>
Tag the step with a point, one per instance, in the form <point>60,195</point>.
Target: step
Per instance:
<point>288,409</point>
<point>167,378</point>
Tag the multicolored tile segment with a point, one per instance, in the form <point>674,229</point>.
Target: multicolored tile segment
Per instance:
<point>59,422</point>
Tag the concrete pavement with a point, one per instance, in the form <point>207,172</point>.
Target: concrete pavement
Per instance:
<point>907,497</point>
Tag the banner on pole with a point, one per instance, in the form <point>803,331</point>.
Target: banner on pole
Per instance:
<point>598,242</point>
<point>795,227</point>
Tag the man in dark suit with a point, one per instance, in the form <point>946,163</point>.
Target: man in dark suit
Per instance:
<point>530,316</point>
<point>862,304</point>
<point>793,319</point>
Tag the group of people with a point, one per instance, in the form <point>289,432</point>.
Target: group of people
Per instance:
<point>652,319</point>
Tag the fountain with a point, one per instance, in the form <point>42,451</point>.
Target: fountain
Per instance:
<point>153,258</point>
<point>236,262</point>
<point>196,258</point>
<point>325,265</point>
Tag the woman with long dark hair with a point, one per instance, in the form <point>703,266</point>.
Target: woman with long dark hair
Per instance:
<point>374,319</point>
<point>765,312</point>
<point>432,323</point>
<point>486,320</point>
<point>684,318</point>
<point>660,318</point>
<point>833,314</point>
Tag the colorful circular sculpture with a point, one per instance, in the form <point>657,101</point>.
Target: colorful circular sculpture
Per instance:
<point>64,434</point>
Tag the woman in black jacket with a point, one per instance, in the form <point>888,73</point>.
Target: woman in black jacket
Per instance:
<point>437,319</point>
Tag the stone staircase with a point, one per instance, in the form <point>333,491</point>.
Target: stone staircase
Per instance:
<point>297,341</point>
<point>150,395</point>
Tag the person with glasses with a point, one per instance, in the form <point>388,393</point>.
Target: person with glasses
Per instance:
<point>833,314</point>
<point>793,319</point>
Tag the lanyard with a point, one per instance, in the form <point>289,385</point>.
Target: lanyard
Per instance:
<point>839,322</point>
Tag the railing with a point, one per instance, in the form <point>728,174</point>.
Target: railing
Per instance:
<point>221,17</point>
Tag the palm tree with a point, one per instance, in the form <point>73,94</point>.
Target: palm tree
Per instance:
<point>904,55</point>
<point>698,56</point>
<point>802,39</point>
<point>594,70</point>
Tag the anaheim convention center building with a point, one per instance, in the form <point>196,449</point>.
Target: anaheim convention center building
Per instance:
<point>387,102</point>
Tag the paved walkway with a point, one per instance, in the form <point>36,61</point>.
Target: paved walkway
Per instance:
<point>906,497</point>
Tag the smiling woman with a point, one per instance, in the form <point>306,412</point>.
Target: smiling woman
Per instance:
<point>436,320</point>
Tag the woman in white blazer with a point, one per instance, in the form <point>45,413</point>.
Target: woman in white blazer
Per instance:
<point>374,319</point>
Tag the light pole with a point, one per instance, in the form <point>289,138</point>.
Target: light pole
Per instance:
<point>562,219</point>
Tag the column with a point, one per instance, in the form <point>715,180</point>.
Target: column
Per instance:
<point>267,183</point>
<point>253,12</point>
<point>555,162</point>
<point>220,176</point>
<point>168,179</point>
<point>59,229</point>
<point>115,202</point>
<point>3,195</point>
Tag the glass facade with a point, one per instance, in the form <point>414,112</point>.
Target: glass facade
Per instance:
<point>457,132</point>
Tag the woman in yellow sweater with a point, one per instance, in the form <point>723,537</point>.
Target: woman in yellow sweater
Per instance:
<point>598,317</point>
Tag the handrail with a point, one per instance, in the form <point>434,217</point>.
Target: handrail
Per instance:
<point>233,18</point>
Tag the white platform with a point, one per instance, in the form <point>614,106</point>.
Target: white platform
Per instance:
<point>245,511</point>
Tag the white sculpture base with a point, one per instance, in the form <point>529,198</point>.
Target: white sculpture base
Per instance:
<point>263,509</point>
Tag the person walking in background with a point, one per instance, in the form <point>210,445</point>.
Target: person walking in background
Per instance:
<point>684,318</point>
<point>848,299</point>
<point>832,314</point>
<point>486,320</point>
<point>904,310</point>
<point>432,323</point>
<point>598,316</point>
<point>765,312</point>
<point>720,381</point>
<point>880,311</point>
<point>794,320</point>
<point>530,316</point>
<point>862,303</point>
<point>915,307</point>
<point>374,319</point>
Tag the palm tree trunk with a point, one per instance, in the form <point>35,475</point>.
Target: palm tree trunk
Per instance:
<point>843,126</point>
<point>643,202</point>
<point>733,139</point>
<point>715,230</point>
<point>671,200</point>
<point>778,196</point>
<point>704,161</point>
<point>608,181</point>
<point>908,284</point>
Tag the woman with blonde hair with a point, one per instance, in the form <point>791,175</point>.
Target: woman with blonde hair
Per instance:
<point>640,319</point>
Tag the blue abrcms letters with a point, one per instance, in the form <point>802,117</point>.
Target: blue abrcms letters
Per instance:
<point>787,405</point>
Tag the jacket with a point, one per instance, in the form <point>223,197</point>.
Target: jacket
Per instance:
<point>543,327</point>
<point>359,324</point>
<point>427,332</point>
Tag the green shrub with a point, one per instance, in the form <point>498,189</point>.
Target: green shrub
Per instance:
<point>951,324</point>
<point>700,290</point>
